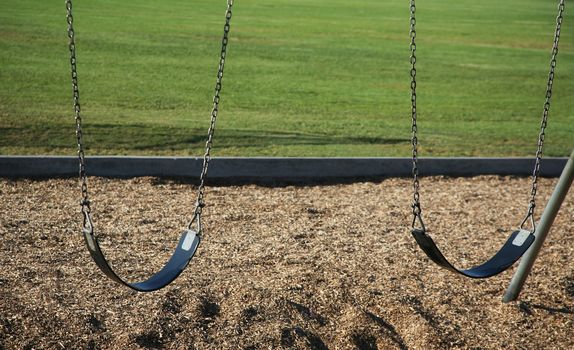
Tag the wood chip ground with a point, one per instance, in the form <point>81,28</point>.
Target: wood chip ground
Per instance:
<point>292,267</point>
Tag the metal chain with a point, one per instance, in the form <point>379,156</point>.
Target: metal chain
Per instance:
<point>206,157</point>
<point>214,112</point>
<point>543,124</point>
<point>541,136</point>
<point>416,206</point>
<point>85,203</point>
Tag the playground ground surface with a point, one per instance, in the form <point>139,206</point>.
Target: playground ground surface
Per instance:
<point>298,267</point>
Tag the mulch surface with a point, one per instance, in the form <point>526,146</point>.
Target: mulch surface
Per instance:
<point>293,267</point>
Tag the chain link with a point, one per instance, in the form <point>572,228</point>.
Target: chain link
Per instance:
<point>85,203</point>
<point>544,122</point>
<point>416,206</point>
<point>214,112</point>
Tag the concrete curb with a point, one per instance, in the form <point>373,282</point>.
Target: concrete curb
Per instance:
<point>271,169</point>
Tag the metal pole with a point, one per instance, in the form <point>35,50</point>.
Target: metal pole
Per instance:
<point>542,229</point>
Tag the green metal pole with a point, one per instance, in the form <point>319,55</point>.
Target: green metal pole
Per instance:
<point>542,229</point>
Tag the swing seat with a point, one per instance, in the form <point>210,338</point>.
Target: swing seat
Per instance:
<point>172,269</point>
<point>515,246</point>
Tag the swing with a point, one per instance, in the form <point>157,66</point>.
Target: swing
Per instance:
<point>190,237</point>
<point>519,241</point>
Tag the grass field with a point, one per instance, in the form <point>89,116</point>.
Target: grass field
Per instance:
<point>303,78</point>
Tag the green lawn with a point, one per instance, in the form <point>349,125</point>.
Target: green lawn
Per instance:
<point>303,77</point>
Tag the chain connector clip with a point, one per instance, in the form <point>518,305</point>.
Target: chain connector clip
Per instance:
<point>417,216</point>
<point>197,221</point>
<point>529,215</point>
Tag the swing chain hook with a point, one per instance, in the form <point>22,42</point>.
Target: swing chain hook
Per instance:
<point>196,221</point>
<point>530,215</point>
<point>199,205</point>
<point>417,216</point>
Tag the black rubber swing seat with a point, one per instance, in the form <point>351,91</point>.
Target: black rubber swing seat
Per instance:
<point>516,245</point>
<point>171,270</point>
